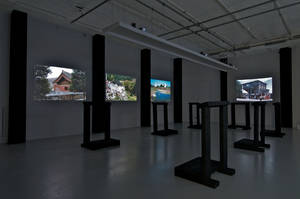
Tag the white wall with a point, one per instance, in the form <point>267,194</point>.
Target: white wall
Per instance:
<point>199,84</point>
<point>49,44</point>
<point>255,66</point>
<point>4,72</point>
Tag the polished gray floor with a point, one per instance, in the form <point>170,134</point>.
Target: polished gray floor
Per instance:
<point>143,168</point>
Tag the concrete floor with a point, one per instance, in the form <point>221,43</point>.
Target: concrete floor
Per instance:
<point>143,167</point>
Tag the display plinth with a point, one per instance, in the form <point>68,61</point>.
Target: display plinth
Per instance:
<point>277,132</point>
<point>166,131</point>
<point>247,116</point>
<point>191,123</point>
<point>255,144</point>
<point>97,144</point>
<point>200,169</point>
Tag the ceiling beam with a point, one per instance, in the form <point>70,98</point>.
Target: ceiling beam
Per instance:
<point>283,20</point>
<point>179,24</point>
<point>90,10</point>
<point>267,42</point>
<point>222,5</point>
<point>239,19</point>
<point>193,20</point>
<point>216,18</point>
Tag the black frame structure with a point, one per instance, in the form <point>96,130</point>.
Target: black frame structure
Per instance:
<point>255,144</point>
<point>277,132</point>
<point>191,117</point>
<point>200,169</point>
<point>97,144</point>
<point>145,88</point>
<point>247,116</point>
<point>166,131</point>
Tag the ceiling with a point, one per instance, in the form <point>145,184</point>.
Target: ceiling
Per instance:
<point>216,27</point>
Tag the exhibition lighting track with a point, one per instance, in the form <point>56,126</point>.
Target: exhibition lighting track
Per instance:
<point>145,39</point>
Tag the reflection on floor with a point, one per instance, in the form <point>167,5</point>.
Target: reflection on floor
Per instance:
<point>143,167</point>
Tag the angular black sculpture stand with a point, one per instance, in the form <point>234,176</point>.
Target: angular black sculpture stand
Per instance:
<point>247,116</point>
<point>277,132</point>
<point>192,125</point>
<point>200,169</point>
<point>166,131</point>
<point>256,144</point>
<point>98,144</point>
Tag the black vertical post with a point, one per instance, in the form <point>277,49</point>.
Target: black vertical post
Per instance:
<point>155,128</point>
<point>17,78</point>
<point>286,96</point>
<point>223,136</point>
<point>233,115</point>
<point>145,88</point>
<point>205,136</point>
<point>223,82</point>
<point>277,118</point>
<point>191,114</point>
<point>262,122</point>
<point>198,114</point>
<point>98,83</point>
<point>86,122</point>
<point>177,81</point>
<point>256,121</point>
<point>107,121</point>
<point>166,125</point>
<point>247,115</point>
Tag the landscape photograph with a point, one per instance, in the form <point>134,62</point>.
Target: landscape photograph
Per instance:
<point>160,90</point>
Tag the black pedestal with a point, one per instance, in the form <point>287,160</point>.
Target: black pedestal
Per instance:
<point>255,144</point>
<point>191,123</point>
<point>277,132</point>
<point>247,116</point>
<point>166,131</point>
<point>200,169</point>
<point>97,144</point>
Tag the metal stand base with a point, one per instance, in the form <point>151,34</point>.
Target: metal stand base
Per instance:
<point>165,132</point>
<point>99,144</point>
<point>273,133</point>
<point>195,127</point>
<point>248,144</point>
<point>193,171</point>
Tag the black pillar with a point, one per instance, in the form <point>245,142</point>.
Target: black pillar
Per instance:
<point>145,88</point>
<point>17,78</point>
<point>286,96</point>
<point>98,84</point>
<point>223,82</point>
<point>177,82</point>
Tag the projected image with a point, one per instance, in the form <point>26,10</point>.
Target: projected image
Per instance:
<point>120,88</point>
<point>57,83</point>
<point>160,90</point>
<point>254,89</point>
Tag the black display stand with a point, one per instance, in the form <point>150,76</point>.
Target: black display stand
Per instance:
<point>277,132</point>
<point>200,169</point>
<point>198,107</point>
<point>247,116</point>
<point>97,144</point>
<point>166,131</point>
<point>255,144</point>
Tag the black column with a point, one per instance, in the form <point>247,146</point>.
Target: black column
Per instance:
<point>286,87</point>
<point>98,84</point>
<point>177,82</point>
<point>145,88</point>
<point>223,82</point>
<point>17,78</point>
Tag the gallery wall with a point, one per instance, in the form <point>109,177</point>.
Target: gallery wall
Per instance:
<point>257,65</point>
<point>4,72</point>
<point>49,44</point>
